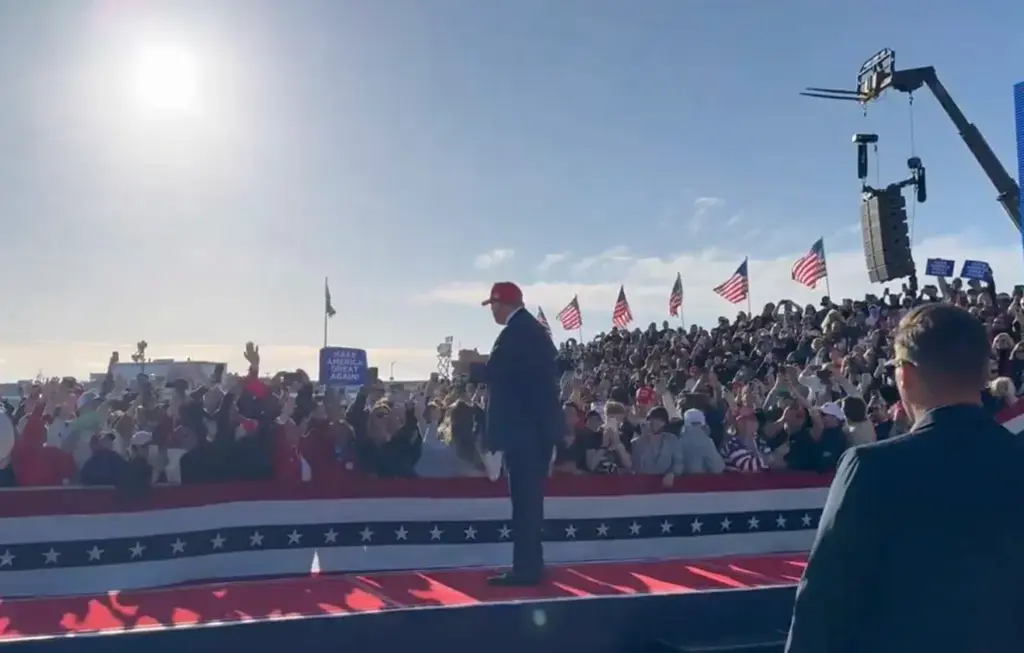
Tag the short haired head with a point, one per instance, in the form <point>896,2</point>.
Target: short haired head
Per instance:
<point>941,357</point>
<point>505,298</point>
<point>855,410</point>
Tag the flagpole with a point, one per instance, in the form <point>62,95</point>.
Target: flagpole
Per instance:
<point>326,316</point>
<point>828,289</point>
<point>750,311</point>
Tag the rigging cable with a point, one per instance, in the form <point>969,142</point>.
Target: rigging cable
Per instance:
<point>874,150</point>
<point>913,153</point>
<point>878,166</point>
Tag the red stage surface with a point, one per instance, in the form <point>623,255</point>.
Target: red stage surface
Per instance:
<point>347,594</point>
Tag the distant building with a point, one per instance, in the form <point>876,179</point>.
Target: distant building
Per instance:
<point>10,391</point>
<point>166,369</point>
<point>466,357</point>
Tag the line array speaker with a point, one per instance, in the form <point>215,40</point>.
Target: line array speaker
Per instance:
<point>883,219</point>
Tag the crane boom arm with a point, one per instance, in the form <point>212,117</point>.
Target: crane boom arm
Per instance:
<point>1007,189</point>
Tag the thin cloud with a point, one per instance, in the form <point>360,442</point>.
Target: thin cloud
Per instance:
<point>707,203</point>
<point>648,281</point>
<point>551,260</point>
<point>702,208</point>
<point>492,259</point>
<point>615,255</point>
<point>847,231</point>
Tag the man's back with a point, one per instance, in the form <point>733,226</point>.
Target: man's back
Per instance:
<point>922,546</point>
<point>522,385</point>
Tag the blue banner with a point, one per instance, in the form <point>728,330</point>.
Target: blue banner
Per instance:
<point>979,270</point>
<point>939,267</point>
<point>343,366</point>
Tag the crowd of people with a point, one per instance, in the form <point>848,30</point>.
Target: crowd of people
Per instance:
<point>788,389</point>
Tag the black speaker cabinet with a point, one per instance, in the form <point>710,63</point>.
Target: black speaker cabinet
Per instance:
<point>883,220</point>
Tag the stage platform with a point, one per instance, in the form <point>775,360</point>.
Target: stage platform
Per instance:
<point>153,615</point>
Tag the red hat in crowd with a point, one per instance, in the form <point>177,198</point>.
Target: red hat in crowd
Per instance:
<point>504,292</point>
<point>645,396</point>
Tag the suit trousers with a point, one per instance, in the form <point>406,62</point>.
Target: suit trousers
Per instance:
<point>527,476</point>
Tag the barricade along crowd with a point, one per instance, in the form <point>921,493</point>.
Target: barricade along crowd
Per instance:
<point>787,389</point>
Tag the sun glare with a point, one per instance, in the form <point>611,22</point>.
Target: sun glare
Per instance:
<point>166,81</point>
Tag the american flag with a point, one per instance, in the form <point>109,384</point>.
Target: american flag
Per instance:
<point>328,306</point>
<point>621,315</point>
<point>570,316</point>
<point>810,268</point>
<point>675,298</point>
<point>543,320</point>
<point>737,287</point>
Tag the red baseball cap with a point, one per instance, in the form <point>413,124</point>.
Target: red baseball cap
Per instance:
<point>504,292</point>
<point>645,396</point>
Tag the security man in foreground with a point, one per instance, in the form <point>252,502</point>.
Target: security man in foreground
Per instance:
<point>920,547</point>
<point>524,420</point>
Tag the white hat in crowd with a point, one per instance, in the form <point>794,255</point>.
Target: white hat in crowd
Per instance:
<point>694,417</point>
<point>832,409</point>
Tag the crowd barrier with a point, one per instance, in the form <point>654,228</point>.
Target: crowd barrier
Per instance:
<point>73,540</point>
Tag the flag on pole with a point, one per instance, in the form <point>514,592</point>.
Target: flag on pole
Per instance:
<point>543,320</point>
<point>675,298</point>
<point>570,316</point>
<point>810,268</point>
<point>328,307</point>
<point>736,288</point>
<point>621,315</point>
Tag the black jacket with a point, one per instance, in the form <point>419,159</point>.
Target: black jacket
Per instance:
<point>921,544</point>
<point>523,408</point>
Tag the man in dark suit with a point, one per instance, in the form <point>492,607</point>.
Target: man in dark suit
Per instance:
<point>921,543</point>
<point>524,420</point>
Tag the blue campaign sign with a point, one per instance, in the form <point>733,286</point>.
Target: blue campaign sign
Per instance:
<point>939,267</point>
<point>975,270</point>
<point>342,366</point>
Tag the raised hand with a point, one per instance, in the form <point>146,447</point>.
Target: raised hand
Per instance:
<point>252,354</point>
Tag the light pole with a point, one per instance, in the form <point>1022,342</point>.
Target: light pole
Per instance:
<point>391,374</point>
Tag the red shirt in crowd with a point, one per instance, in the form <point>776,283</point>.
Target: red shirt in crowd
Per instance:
<point>34,463</point>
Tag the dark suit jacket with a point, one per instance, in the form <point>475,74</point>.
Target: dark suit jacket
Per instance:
<point>921,544</point>
<point>523,408</point>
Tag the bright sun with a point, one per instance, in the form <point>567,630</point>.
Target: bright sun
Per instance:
<point>166,81</point>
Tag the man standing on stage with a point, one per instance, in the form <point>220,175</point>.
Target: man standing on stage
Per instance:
<point>524,420</point>
<point>921,543</point>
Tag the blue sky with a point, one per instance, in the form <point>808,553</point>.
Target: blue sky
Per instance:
<point>415,151</point>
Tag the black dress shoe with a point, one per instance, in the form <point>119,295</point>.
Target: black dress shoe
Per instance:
<point>512,579</point>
